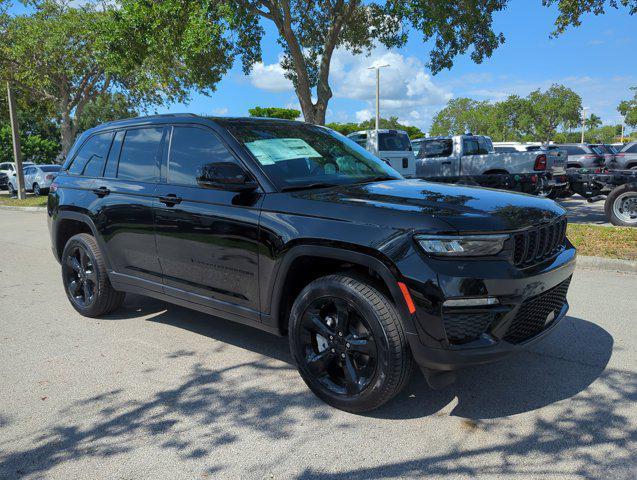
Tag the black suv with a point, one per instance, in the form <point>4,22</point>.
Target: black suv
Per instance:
<point>297,230</point>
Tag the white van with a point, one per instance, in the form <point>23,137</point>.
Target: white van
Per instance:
<point>391,146</point>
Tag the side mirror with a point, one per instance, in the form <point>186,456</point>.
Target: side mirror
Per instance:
<point>226,176</point>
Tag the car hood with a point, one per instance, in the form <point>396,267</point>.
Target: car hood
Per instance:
<point>420,204</point>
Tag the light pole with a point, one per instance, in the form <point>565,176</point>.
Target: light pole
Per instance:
<point>377,68</point>
<point>15,136</point>
<point>583,122</point>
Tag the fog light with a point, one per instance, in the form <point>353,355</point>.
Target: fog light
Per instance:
<point>471,302</point>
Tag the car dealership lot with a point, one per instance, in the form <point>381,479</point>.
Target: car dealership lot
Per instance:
<point>158,391</point>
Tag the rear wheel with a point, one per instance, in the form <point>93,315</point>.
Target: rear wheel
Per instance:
<point>12,191</point>
<point>621,206</point>
<point>348,343</point>
<point>85,278</point>
<point>36,189</point>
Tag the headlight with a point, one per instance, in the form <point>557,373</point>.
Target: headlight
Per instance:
<point>462,245</point>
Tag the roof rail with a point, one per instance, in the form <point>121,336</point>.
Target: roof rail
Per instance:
<point>158,115</point>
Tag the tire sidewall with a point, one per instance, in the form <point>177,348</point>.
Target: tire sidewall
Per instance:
<point>331,288</point>
<point>610,201</point>
<point>91,309</point>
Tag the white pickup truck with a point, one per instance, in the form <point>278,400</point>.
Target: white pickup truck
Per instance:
<point>467,155</point>
<point>391,146</point>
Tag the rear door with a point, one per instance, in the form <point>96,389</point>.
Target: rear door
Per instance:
<point>207,239</point>
<point>123,192</point>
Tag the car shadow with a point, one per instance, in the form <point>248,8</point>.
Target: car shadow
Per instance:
<point>560,366</point>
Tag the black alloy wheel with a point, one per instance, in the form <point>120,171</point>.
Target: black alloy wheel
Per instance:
<point>85,277</point>
<point>348,342</point>
<point>338,346</point>
<point>80,276</point>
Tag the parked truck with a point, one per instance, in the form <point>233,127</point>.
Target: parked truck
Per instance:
<point>391,146</point>
<point>473,159</point>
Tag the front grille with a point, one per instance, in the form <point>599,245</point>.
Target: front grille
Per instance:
<point>538,243</point>
<point>531,318</point>
<point>464,327</point>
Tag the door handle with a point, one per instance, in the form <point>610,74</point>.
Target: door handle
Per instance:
<point>101,191</point>
<point>446,163</point>
<point>170,200</point>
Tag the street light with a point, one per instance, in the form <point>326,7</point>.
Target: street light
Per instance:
<point>583,122</point>
<point>377,68</point>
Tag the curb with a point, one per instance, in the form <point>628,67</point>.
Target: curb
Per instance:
<point>610,264</point>
<point>23,209</point>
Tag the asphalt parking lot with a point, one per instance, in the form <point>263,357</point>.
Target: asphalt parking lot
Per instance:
<point>157,391</point>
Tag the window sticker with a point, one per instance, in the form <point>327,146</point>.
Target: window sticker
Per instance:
<point>273,150</point>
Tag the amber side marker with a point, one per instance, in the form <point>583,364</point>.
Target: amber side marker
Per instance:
<point>407,297</point>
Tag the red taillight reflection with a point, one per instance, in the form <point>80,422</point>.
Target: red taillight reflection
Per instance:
<point>53,187</point>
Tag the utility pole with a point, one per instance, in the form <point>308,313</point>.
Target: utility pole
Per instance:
<point>622,138</point>
<point>378,92</point>
<point>15,134</point>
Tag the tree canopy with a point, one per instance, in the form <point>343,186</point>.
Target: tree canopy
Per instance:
<point>535,117</point>
<point>275,112</point>
<point>628,109</point>
<point>391,123</point>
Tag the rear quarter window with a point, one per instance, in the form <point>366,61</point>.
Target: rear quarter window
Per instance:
<point>435,148</point>
<point>90,158</point>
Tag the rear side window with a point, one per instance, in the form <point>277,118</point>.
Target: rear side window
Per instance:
<point>632,149</point>
<point>573,150</point>
<point>393,142</point>
<point>360,138</point>
<point>91,156</point>
<point>191,149</point>
<point>139,157</point>
<point>435,148</point>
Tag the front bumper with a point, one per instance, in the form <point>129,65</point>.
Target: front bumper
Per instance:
<point>521,294</point>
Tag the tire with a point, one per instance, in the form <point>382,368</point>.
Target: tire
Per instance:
<point>621,205</point>
<point>369,323</point>
<point>85,278</point>
<point>12,191</point>
<point>36,190</point>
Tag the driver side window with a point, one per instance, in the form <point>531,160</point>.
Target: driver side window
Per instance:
<point>192,152</point>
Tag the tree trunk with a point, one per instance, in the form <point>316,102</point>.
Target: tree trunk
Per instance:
<point>67,133</point>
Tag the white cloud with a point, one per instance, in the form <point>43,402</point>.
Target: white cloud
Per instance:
<point>220,111</point>
<point>270,77</point>
<point>407,90</point>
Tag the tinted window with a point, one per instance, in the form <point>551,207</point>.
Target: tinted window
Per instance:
<point>435,148</point>
<point>51,168</point>
<point>505,150</point>
<point>393,141</point>
<point>360,138</point>
<point>138,160</point>
<point>92,155</point>
<point>190,150</point>
<point>484,146</point>
<point>470,147</point>
<point>113,155</point>
<point>573,150</point>
<point>632,149</point>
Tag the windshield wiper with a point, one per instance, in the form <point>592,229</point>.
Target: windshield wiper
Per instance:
<point>309,186</point>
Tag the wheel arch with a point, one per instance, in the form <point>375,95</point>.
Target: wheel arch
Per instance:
<point>69,223</point>
<point>382,273</point>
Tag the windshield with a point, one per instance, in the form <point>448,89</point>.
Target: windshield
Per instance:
<point>393,142</point>
<point>303,155</point>
<point>51,168</point>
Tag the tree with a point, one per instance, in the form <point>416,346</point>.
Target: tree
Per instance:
<point>106,108</point>
<point>70,57</point>
<point>571,11</point>
<point>462,115</point>
<point>593,122</point>
<point>275,112</point>
<point>558,107</point>
<point>389,123</point>
<point>628,109</point>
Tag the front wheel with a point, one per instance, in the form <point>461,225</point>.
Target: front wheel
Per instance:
<point>349,344</point>
<point>36,190</point>
<point>621,206</point>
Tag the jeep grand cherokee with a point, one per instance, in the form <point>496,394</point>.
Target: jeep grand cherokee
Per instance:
<point>297,230</point>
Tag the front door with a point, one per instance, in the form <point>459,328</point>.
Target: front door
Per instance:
<point>207,239</point>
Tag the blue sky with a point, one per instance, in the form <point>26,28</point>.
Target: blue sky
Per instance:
<point>597,60</point>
